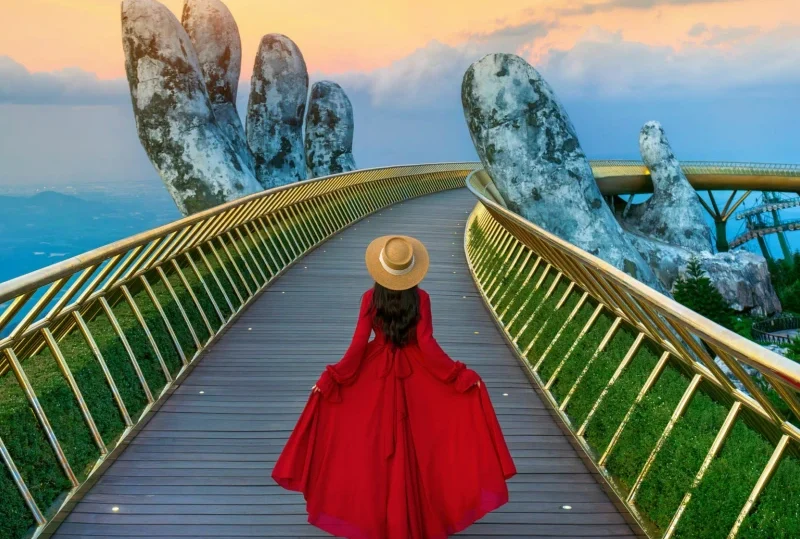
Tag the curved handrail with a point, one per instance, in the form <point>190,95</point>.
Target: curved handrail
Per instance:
<point>744,350</point>
<point>13,287</point>
<point>617,177</point>
<point>174,289</point>
<point>754,378</point>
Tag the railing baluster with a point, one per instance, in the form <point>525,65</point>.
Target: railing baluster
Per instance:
<point>722,435</point>
<point>680,409</point>
<point>629,355</point>
<point>164,318</point>
<point>586,328</point>
<point>40,414</point>
<point>203,283</point>
<point>87,335</point>
<point>561,301</point>
<point>125,344</point>
<point>164,279</point>
<point>575,310</point>
<point>547,295</point>
<point>648,384</point>
<point>253,258</point>
<point>528,299</point>
<point>20,483</point>
<point>236,269</point>
<point>129,299</point>
<point>244,261</point>
<point>61,361</point>
<point>612,331</point>
<point>225,271</point>
<point>766,475</point>
<point>195,300</point>
<point>278,232</point>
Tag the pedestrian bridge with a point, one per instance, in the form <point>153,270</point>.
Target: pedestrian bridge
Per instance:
<point>147,387</point>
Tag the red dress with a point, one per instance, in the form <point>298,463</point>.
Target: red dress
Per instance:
<point>400,443</point>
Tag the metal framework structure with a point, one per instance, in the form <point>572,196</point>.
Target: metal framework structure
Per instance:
<point>684,338</point>
<point>260,235</point>
<point>757,227</point>
<point>236,250</point>
<point>632,177</point>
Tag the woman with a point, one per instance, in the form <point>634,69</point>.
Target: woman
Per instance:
<point>397,440</point>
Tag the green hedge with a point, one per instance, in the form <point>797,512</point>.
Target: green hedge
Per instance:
<point>21,431</point>
<point>717,500</point>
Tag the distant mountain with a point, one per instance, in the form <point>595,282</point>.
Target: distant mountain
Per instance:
<point>48,227</point>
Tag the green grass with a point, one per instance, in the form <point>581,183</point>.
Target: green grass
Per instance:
<point>580,356</point>
<point>543,313</point>
<point>619,399</point>
<point>599,374</point>
<point>34,458</point>
<point>549,327</point>
<point>645,427</point>
<point>719,497</point>
<point>21,432</point>
<point>564,341</point>
<point>777,513</point>
<point>678,461</point>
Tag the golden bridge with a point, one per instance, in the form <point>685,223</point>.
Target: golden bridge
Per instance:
<point>147,387</point>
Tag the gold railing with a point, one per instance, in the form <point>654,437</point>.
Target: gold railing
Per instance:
<point>529,278</point>
<point>193,277</point>
<point>625,177</point>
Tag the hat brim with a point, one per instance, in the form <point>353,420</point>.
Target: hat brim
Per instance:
<point>389,280</point>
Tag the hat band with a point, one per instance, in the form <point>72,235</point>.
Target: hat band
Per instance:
<point>394,271</point>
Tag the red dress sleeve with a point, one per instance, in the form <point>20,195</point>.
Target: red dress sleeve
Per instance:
<point>346,370</point>
<point>436,360</point>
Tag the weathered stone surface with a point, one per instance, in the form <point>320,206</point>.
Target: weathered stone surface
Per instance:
<point>673,214</point>
<point>741,277</point>
<point>215,36</point>
<point>528,145</point>
<point>278,93</point>
<point>173,114</point>
<point>329,131</point>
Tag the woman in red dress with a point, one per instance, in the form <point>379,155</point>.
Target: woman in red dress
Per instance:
<point>397,440</point>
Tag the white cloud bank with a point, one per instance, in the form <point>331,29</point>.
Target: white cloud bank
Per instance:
<point>70,86</point>
<point>600,64</point>
<point>603,64</point>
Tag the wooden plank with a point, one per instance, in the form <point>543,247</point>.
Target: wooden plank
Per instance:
<point>201,467</point>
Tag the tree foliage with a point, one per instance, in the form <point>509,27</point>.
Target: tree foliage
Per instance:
<point>696,291</point>
<point>785,276</point>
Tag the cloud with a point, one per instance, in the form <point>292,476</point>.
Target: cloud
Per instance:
<point>601,64</point>
<point>613,5</point>
<point>432,74</point>
<point>604,64</point>
<point>70,86</point>
<point>698,29</point>
<point>720,36</point>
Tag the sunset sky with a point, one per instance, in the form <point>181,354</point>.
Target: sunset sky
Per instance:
<point>363,35</point>
<point>722,75</point>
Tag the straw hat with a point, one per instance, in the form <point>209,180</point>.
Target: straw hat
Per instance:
<point>397,262</point>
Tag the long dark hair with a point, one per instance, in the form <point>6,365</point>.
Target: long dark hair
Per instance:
<point>396,312</point>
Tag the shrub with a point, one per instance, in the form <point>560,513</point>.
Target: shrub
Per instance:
<point>695,291</point>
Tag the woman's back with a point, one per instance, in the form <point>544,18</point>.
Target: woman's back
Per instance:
<point>398,440</point>
<point>395,313</point>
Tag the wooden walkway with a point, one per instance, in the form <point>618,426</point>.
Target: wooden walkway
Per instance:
<point>201,466</point>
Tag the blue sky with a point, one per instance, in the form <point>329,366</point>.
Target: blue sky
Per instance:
<point>722,76</point>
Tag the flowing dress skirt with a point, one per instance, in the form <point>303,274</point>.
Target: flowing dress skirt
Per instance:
<point>399,455</point>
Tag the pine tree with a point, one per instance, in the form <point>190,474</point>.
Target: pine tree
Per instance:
<point>696,291</point>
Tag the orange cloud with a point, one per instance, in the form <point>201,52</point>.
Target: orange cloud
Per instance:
<point>362,35</point>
